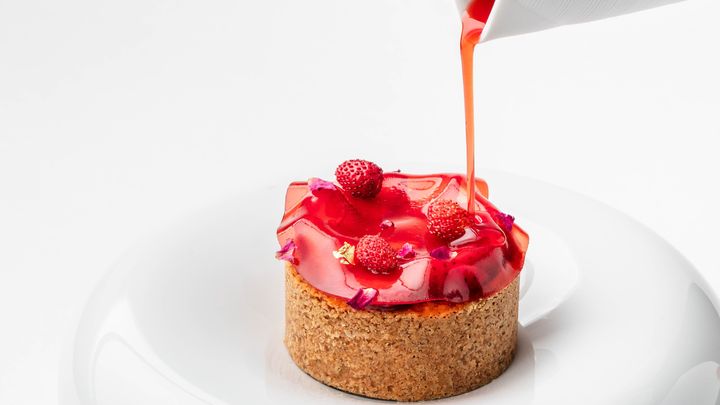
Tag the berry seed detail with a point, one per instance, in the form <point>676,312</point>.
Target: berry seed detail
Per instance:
<point>447,220</point>
<point>360,178</point>
<point>376,255</point>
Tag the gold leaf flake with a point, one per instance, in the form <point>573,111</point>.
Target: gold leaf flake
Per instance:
<point>346,254</point>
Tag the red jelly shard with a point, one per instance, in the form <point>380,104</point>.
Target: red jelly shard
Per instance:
<point>487,258</point>
<point>363,298</point>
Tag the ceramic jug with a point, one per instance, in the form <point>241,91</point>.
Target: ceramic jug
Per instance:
<point>514,17</point>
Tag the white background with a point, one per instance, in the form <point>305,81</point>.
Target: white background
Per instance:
<point>119,118</point>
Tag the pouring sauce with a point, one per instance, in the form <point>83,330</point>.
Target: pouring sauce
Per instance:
<point>473,23</point>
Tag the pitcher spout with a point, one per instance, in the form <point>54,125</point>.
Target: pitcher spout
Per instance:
<point>516,17</point>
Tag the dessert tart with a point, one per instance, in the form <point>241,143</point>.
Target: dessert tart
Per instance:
<point>399,286</point>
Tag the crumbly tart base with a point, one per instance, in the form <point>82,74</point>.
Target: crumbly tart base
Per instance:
<point>420,352</point>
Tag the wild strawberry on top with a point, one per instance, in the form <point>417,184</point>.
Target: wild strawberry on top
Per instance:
<point>447,219</point>
<point>360,178</point>
<point>376,254</point>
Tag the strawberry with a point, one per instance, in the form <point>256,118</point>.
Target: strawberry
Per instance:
<point>447,219</point>
<point>360,178</point>
<point>376,255</point>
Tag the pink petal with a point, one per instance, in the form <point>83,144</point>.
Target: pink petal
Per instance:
<point>315,184</point>
<point>443,253</point>
<point>287,252</point>
<point>363,298</point>
<point>406,252</point>
<point>505,221</point>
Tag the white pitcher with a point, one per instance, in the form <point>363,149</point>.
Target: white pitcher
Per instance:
<point>514,17</point>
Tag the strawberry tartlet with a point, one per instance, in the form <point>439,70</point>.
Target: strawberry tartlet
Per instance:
<point>395,290</point>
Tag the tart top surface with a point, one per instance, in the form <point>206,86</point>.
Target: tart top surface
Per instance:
<point>387,239</point>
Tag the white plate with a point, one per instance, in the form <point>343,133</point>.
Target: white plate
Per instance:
<point>611,314</point>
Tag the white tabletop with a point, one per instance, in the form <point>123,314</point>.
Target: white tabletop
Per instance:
<point>120,118</point>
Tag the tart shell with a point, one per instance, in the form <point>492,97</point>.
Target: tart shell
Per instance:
<point>406,353</point>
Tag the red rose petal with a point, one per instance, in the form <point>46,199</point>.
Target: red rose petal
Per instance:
<point>506,221</point>
<point>363,298</point>
<point>315,184</point>
<point>406,252</point>
<point>443,253</point>
<point>287,252</point>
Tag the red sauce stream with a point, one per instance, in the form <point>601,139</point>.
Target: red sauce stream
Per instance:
<point>473,22</point>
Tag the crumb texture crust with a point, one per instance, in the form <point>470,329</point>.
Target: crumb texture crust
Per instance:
<point>420,352</point>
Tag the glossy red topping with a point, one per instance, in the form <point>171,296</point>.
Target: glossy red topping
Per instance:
<point>327,224</point>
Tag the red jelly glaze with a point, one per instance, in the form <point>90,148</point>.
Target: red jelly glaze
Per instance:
<point>485,260</point>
